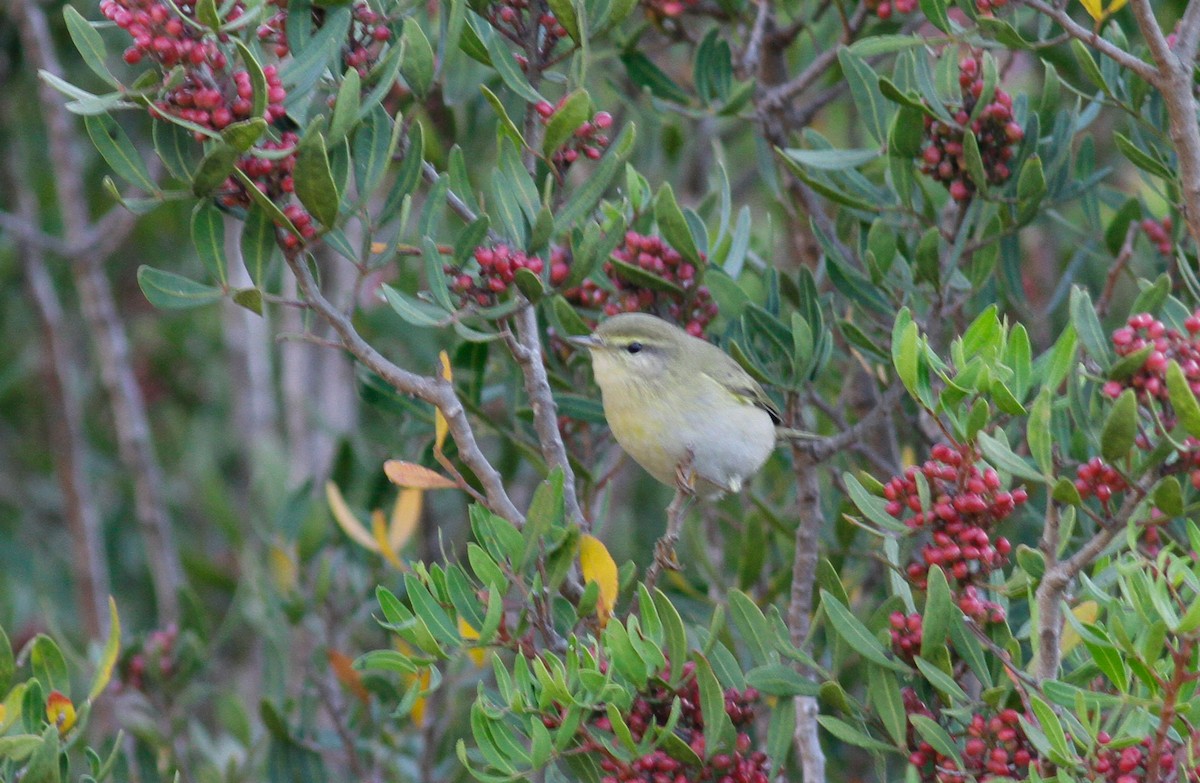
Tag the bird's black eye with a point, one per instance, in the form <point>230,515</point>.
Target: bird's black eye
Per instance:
<point>634,347</point>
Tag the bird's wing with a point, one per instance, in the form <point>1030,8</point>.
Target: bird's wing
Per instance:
<point>739,383</point>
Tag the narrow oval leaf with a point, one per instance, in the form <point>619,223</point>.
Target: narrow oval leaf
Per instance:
<point>1120,428</point>
<point>169,291</point>
<point>597,565</point>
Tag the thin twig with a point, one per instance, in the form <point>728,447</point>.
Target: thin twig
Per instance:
<point>1118,266</point>
<point>1092,38</point>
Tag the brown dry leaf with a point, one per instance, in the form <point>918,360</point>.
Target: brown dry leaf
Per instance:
<point>347,675</point>
<point>599,567</point>
<point>414,476</point>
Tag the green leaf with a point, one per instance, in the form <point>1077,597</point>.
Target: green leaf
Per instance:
<point>718,728</point>
<point>832,160</point>
<point>585,197</point>
<point>90,45</point>
<point>712,72</point>
<point>974,161</point>
<point>855,634</point>
<point>1038,433</point>
<point>169,291</point>
<point>510,73</point>
<point>864,88</point>
<point>1183,400</point>
<point>258,242</point>
<point>243,135</point>
<point>348,102</point>
<point>208,237</point>
<point>873,506</point>
<point>1087,327</point>
<point>1031,188</point>
<point>936,736</point>
<point>206,14</point>
<point>648,76</point>
<point>507,128</point>
<point>426,607</point>
<point>776,679</point>
<point>936,12</point>
<point>752,625</point>
<point>249,298</point>
<point>409,174</point>
<point>1140,158</point>
<point>907,133</point>
<point>1051,727</point>
<point>675,634</point>
<point>884,692</point>
<point>315,186</point>
<point>413,310</point>
<point>564,12</point>
<point>214,169</point>
<point>674,227</point>
<point>49,666</point>
<point>418,64</point>
<point>1089,66</point>
<point>575,110</point>
<point>1004,458</point>
<point>852,736</point>
<point>258,79</point>
<point>118,151</point>
<point>943,682</point>
<point>1120,428</point>
<point>8,665</point>
<point>1118,226</point>
<point>939,609</point>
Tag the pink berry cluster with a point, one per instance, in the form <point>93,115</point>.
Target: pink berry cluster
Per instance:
<point>513,19</point>
<point>1129,764</point>
<point>154,661</point>
<point>1143,331</point>
<point>210,93</point>
<point>589,139</point>
<point>992,747</point>
<point>906,631</point>
<point>741,764</point>
<point>884,9</point>
<point>368,33</point>
<point>967,504</point>
<point>498,267</point>
<point>693,310</point>
<point>1159,234</point>
<point>943,156</point>
<point>1097,479</point>
<point>161,35</point>
<point>273,176</point>
<point>669,8</point>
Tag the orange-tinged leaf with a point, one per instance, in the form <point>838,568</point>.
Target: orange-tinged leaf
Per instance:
<point>414,476</point>
<point>347,675</point>
<point>378,247</point>
<point>60,712</point>
<point>1086,612</point>
<point>346,519</point>
<point>1093,8</point>
<point>282,566</point>
<point>440,426</point>
<point>599,567</point>
<point>418,710</point>
<point>379,529</point>
<point>108,659</point>
<point>406,514</point>
<point>468,633</point>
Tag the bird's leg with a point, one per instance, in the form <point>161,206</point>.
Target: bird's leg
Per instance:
<point>664,549</point>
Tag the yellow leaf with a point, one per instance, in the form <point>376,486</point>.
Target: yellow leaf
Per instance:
<point>406,514</point>
<point>440,426</point>
<point>60,712</point>
<point>108,658</point>
<point>1086,612</point>
<point>468,633</point>
<point>283,568</point>
<point>410,474</point>
<point>379,530</point>
<point>598,566</point>
<point>346,519</point>
<point>418,710</point>
<point>347,675</point>
<point>1093,8</point>
<point>378,247</point>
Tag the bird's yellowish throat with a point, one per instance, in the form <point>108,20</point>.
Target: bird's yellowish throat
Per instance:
<point>681,407</point>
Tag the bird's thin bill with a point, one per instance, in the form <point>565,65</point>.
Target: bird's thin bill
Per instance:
<point>584,341</point>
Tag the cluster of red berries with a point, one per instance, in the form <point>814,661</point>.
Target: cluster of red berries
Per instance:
<point>991,747</point>
<point>512,19</point>
<point>885,8</point>
<point>943,156</point>
<point>589,139</point>
<point>669,8</point>
<point>1150,380</point>
<point>906,633</point>
<point>1159,234</point>
<point>498,267</point>
<point>155,659</point>
<point>694,309</point>
<point>160,34</point>
<point>740,765</point>
<point>1095,478</point>
<point>272,175</point>
<point>368,33</point>
<point>966,505</point>
<point>1128,764</point>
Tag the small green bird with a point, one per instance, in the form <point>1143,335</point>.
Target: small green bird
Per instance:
<point>680,406</point>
